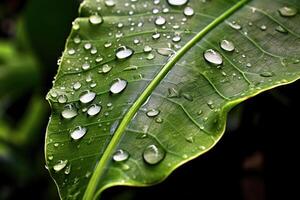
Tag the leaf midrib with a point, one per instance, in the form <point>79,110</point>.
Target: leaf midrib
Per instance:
<point>100,168</point>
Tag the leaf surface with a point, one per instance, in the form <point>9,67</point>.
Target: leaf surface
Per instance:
<point>141,96</point>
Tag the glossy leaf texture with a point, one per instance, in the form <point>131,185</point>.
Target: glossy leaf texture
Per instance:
<point>145,85</point>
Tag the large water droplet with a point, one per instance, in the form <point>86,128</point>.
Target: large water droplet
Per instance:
<point>227,45</point>
<point>69,112</point>
<point>153,154</point>
<point>78,133</point>
<point>287,11</point>
<point>61,164</point>
<point>123,52</point>
<point>213,57</point>
<point>118,86</point>
<point>87,97</point>
<point>93,110</point>
<point>120,155</point>
<point>177,2</point>
<point>152,113</point>
<point>95,19</point>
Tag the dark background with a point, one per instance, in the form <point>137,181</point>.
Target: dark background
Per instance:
<point>256,159</point>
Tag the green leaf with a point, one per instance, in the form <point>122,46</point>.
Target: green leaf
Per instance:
<point>165,104</point>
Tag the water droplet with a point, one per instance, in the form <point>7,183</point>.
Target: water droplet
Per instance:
<point>234,25</point>
<point>153,154</point>
<point>189,139</point>
<point>213,57</point>
<point>188,11</point>
<point>165,51</point>
<point>150,56</point>
<point>87,46</point>
<point>106,68</point>
<point>177,2</point>
<point>156,36</point>
<point>147,49</point>
<point>50,157</point>
<point>173,93</point>
<point>187,96</point>
<point>87,97</point>
<point>110,3</point>
<point>266,74</point>
<point>120,155</point>
<point>118,86</point>
<point>227,45</point>
<point>78,133</point>
<point>69,112</point>
<point>281,29</point>
<point>60,165</point>
<point>85,66</point>
<point>77,86</point>
<point>71,51</point>
<point>287,11</point>
<point>62,99</point>
<point>123,52</point>
<point>176,38</point>
<point>95,19</point>
<point>93,110</point>
<point>152,113</point>
<point>248,65</point>
<point>68,170</point>
<point>159,120</point>
<point>130,68</point>
<point>160,21</point>
<point>263,27</point>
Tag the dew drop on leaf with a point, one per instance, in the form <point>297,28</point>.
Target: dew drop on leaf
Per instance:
<point>77,86</point>
<point>153,154</point>
<point>281,29</point>
<point>95,19</point>
<point>227,45</point>
<point>152,113</point>
<point>212,56</point>
<point>61,164</point>
<point>93,110</point>
<point>87,97</point>
<point>188,11</point>
<point>120,155</point>
<point>69,112</point>
<point>287,11</point>
<point>160,21</point>
<point>118,86</point>
<point>78,133</point>
<point>110,3</point>
<point>62,99</point>
<point>123,52</point>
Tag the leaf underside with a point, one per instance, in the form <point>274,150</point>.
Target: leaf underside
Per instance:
<point>191,95</point>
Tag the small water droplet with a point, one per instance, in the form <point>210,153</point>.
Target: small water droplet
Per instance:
<point>165,51</point>
<point>212,56</point>
<point>61,164</point>
<point>68,170</point>
<point>105,68</point>
<point>159,120</point>
<point>177,2</point>
<point>266,74</point>
<point>124,52</point>
<point>130,68</point>
<point>71,51</point>
<point>173,93</point>
<point>77,86</point>
<point>93,110</point>
<point>156,36</point>
<point>62,99</point>
<point>95,19</point>
<point>147,49</point>
<point>281,29</point>
<point>263,27</point>
<point>187,96</point>
<point>78,133</point>
<point>227,45</point>
<point>69,112</point>
<point>152,113</point>
<point>87,97</point>
<point>118,86</point>
<point>234,25</point>
<point>120,155</point>
<point>188,11</point>
<point>153,154</point>
<point>85,66</point>
<point>287,11</point>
